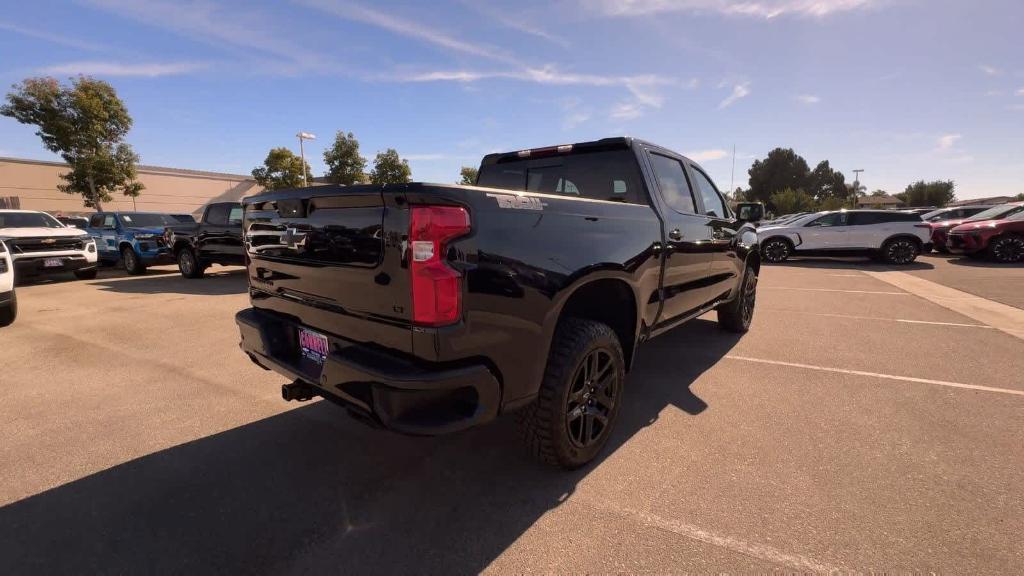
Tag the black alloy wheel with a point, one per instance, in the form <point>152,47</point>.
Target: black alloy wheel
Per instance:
<point>591,399</point>
<point>901,251</point>
<point>776,251</point>
<point>1008,249</point>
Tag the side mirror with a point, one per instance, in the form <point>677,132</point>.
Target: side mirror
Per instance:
<point>750,212</point>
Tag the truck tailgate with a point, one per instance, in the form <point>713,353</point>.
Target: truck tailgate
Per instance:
<point>331,259</point>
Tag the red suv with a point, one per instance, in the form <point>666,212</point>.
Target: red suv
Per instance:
<point>997,233</point>
<point>943,220</point>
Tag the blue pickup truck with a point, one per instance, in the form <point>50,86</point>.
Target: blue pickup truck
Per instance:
<point>133,239</point>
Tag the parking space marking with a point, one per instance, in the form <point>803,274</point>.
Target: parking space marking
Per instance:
<point>879,318</point>
<point>1006,318</point>
<point>877,375</point>
<point>833,290</point>
<point>752,549</point>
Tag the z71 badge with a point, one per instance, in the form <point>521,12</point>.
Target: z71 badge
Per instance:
<point>518,202</point>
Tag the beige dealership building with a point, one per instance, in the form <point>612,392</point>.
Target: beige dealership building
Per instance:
<point>32,185</point>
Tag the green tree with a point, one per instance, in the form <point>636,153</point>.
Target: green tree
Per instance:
<point>878,193</point>
<point>782,169</point>
<point>824,182</point>
<point>281,169</point>
<point>833,203</point>
<point>344,164</point>
<point>85,124</point>
<point>790,201</point>
<point>389,168</point>
<point>1019,197</point>
<point>468,174</point>
<point>936,193</point>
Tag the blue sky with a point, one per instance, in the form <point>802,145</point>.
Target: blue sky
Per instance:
<point>905,89</point>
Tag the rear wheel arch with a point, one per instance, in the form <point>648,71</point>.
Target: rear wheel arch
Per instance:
<point>594,300</point>
<point>900,236</point>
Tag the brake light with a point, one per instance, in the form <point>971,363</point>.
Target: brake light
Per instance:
<point>436,287</point>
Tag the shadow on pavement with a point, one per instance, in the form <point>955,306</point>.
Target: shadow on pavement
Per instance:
<point>849,264</point>
<point>214,283</point>
<point>956,259</point>
<point>310,490</point>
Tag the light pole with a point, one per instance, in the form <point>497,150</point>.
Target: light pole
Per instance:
<point>302,152</point>
<point>856,185</point>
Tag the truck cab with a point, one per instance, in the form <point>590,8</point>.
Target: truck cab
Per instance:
<point>133,239</point>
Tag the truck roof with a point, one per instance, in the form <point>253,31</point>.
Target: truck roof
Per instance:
<point>611,143</point>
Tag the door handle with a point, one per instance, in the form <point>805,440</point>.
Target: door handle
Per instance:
<point>675,234</point>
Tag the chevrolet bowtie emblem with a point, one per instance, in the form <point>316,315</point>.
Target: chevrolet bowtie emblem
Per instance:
<point>294,238</point>
<point>48,241</point>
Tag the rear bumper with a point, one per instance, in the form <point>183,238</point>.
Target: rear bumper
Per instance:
<point>36,265</point>
<point>389,389</point>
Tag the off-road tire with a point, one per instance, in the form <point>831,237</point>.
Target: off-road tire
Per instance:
<point>545,425</point>
<point>737,314</point>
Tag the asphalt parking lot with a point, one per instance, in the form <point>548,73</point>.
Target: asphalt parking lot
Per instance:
<point>857,427</point>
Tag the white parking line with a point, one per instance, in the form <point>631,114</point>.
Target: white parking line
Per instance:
<point>1006,318</point>
<point>877,375</point>
<point>833,290</point>
<point>901,320</point>
<point>752,549</point>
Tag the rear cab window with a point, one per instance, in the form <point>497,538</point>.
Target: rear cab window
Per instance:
<point>610,175</point>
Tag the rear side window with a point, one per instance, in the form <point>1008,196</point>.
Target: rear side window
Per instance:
<point>833,219</point>
<point>604,175</point>
<point>217,214</point>
<point>675,188</point>
<point>96,221</point>
<point>713,204</point>
<point>866,218</point>
<point>235,216</point>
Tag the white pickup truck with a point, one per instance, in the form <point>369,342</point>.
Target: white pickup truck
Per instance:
<point>8,299</point>
<point>38,244</point>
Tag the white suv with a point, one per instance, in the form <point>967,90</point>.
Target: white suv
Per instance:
<point>39,244</point>
<point>8,300</point>
<point>895,237</point>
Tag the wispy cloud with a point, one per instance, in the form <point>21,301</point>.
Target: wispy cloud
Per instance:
<point>947,141</point>
<point>641,86</point>
<point>149,70</point>
<point>754,8</point>
<point>51,37</point>
<point>503,18</point>
<point>707,155</point>
<point>626,111</point>
<point>808,99</point>
<point>1019,92</point>
<point>408,28</point>
<point>739,91</point>
<point>990,70</point>
<point>241,31</point>
<point>575,112</point>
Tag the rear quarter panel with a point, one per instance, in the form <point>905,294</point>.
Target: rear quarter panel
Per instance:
<point>522,264</point>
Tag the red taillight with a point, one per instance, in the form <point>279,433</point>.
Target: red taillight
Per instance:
<point>436,290</point>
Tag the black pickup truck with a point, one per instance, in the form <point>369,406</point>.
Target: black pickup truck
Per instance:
<point>216,239</point>
<point>430,308</point>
